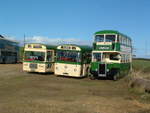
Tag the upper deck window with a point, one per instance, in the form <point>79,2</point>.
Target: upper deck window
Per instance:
<point>110,38</point>
<point>99,38</point>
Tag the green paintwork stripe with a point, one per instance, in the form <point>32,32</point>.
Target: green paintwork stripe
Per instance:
<point>40,62</point>
<point>121,66</point>
<point>116,46</point>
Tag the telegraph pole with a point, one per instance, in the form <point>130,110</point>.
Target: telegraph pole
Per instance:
<point>24,41</point>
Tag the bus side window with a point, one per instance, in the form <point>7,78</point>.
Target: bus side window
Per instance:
<point>118,38</point>
<point>114,56</point>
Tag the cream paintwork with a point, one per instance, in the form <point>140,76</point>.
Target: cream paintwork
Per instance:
<point>32,46</point>
<point>37,50</point>
<point>42,68</point>
<point>103,43</point>
<point>105,51</point>
<point>69,70</point>
<point>107,57</point>
<point>43,49</point>
<point>69,47</point>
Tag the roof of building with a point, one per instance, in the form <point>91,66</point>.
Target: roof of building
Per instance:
<point>3,38</point>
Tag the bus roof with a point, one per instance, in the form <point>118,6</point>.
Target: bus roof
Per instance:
<point>47,46</point>
<point>111,32</point>
<point>82,47</point>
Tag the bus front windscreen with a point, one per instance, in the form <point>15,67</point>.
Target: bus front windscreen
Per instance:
<point>34,56</point>
<point>70,56</point>
<point>99,38</point>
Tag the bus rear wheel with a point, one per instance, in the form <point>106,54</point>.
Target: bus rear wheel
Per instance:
<point>91,76</point>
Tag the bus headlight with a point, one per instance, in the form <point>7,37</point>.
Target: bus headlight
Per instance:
<point>96,69</point>
<point>25,64</point>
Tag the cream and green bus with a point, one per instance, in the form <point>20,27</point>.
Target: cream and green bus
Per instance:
<point>39,58</point>
<point>72,60</point>
<point>111,55</point>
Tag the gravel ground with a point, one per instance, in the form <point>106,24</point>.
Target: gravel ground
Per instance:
<point>22,92</point>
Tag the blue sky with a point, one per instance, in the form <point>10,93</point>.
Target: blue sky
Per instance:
<point>76,20</point>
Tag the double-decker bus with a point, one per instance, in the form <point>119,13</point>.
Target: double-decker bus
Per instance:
<point>111,55</point>
<point>9,50</point>
<point>72,60</point>
<point>39,58</point>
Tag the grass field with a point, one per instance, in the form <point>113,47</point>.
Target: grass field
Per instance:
<point>22,92</point>
<point>141,68</point>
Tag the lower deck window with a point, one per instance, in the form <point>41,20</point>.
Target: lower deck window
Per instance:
<point>34,56</point>
<point>104,57</point>
<point>96,57</point>
<point>114,56</point>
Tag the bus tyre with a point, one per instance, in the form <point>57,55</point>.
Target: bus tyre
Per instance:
<point>91,77</point>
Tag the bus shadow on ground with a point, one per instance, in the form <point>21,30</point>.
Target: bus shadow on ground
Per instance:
<point>41,74</point>
<point>71,77</point>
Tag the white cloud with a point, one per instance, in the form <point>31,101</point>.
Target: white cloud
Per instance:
<point>57,41</point>
<point>10,38</point>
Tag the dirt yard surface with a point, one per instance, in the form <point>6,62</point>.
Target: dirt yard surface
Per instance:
<point>22,92</point>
